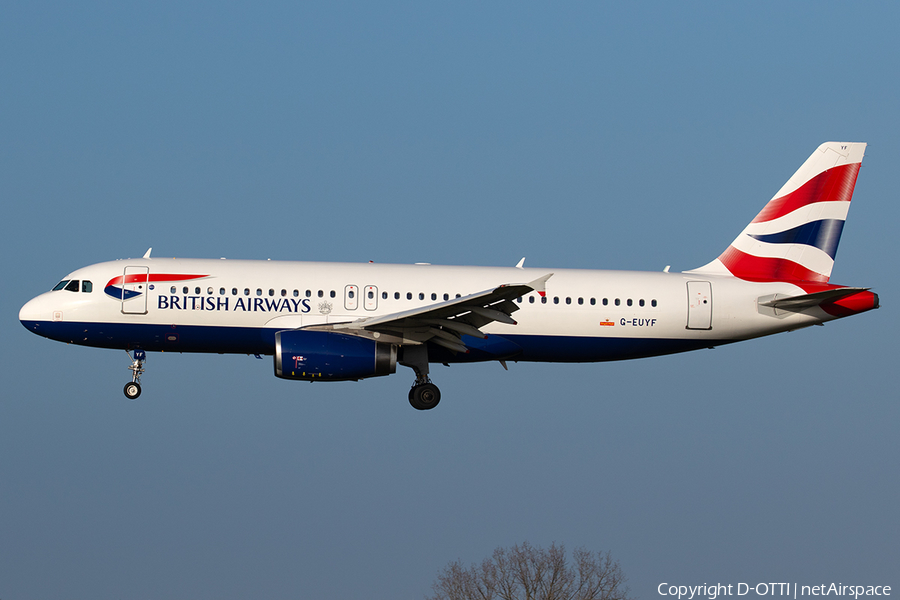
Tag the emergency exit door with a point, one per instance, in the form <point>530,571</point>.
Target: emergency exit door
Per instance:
<point>371,300</point>
<point>351,297</point>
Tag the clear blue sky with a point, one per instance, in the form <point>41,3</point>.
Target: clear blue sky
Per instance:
<point>585,135</point>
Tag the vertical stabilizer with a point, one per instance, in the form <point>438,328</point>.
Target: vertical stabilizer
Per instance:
<point>795,236</point>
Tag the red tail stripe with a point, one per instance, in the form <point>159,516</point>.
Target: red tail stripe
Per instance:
<point>761,268</point>
<point>834,185</point>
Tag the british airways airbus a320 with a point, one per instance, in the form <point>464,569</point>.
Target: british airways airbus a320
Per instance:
<point>338,321</point>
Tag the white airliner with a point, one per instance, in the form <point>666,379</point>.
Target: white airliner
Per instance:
<point>340,321</point>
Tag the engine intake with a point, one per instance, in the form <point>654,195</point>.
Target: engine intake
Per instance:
<point>326,356</point>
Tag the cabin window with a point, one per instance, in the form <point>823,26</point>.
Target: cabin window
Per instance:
<point>351,294</point>
<point>309,293</point>
<point>555,299</point>
<point>296,293</point>
<point>258,292</point>
<point>234,291</point>
<point>396,295</point>
<point>197,290</point>
<point>384,295</point>
<point>447,297</point>
<point>531,299</point>
<point>371,294</point>
<point>641,302</point>
<point>221,291</point>
<point>283,293</point>
<point>321,294</point>
<point>246,291</point>
<point>209,290</point>
<point>331,293</point>
<point>73,286</point>
<point>593,301</point>
<point>409,295</point>
<point>173,290</point>
<point>568,300</point>
<point>628,302</point>
<point>421,296</point>
<point>581,301</point>
<point>433,296</point>
<point>618,302</point>
<point>543,299</point>
<point>62,284</point>
<point>653,303</point>
<point>271,292</point>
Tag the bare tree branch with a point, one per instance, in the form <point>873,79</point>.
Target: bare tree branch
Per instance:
<point>524,572</point>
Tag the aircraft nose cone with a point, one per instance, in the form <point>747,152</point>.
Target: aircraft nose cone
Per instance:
<point>34,311</point>
<point>27,312</point>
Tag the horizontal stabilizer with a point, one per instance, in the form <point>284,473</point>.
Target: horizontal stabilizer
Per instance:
<point>795,303</point>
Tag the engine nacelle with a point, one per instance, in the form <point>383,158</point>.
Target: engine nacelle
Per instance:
<point>326,356</point>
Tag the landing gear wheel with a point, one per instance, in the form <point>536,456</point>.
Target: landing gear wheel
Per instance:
<point>132,390</point>
<point>424,396</point>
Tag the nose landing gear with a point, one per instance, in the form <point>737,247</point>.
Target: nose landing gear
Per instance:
<point>133,387</point>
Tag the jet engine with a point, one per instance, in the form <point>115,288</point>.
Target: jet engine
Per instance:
<point>326,356</point>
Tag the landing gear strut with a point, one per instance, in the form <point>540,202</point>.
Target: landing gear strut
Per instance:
<point>133,388</point>
<point>423,395</point>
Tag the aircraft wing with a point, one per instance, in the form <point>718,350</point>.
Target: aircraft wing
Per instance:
<point>444,323</point>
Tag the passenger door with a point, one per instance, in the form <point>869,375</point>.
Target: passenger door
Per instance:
<point>134,290</point>
<point>699,305</point>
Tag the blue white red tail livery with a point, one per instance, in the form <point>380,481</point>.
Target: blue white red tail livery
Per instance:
<point>795,237</point>
<point>341,321</point>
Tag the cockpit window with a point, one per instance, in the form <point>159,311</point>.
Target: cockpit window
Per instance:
<point>60,285</point>
<point>73,286</point>
<point>87,287</point>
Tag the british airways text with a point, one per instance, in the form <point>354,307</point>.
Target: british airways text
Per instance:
<point>290,305</point>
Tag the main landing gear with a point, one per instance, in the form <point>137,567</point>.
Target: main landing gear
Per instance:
<point>133,387</point>
<point>423,395</point>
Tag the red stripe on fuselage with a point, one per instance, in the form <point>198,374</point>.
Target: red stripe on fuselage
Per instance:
<point>154,277</point>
